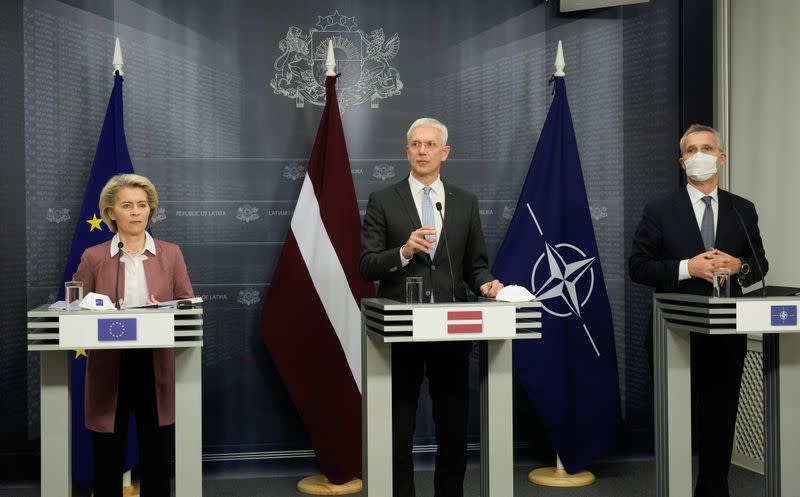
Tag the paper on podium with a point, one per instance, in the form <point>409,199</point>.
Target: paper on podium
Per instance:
<point>165,305</point>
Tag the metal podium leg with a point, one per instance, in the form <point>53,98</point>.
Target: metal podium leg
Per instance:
<point>188,422</point>
<point>781,414</point>
<point>376,415</point>
<point>56,419</point>
<point>673,422</point>
<point>497,433</point>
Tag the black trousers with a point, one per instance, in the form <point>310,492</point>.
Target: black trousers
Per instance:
<point>717,365</point>
<point>447,367</point>
<point>137,394</point>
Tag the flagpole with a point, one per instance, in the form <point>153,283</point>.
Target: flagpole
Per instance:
<point>129,489</point>
<point>319,484</point>
<point>557,476</point>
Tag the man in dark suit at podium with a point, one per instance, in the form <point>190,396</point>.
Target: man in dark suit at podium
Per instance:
<point>682,239</point>
<point>401,238</point>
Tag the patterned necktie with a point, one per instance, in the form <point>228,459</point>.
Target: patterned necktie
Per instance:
<point>427,214</point>
<point>707,224</point>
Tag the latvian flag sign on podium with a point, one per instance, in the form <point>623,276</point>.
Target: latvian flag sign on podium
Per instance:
<point>464,322</point>
<point>311,321</point>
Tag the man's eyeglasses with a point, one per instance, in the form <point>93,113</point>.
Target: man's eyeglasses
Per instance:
<point>417,145</point>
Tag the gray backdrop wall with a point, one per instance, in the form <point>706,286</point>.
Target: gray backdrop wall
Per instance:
<point>215,115</point>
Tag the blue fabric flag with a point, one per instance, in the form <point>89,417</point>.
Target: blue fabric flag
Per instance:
<point>111,158</point>
<point>571,373</point>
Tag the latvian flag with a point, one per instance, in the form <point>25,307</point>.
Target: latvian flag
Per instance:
<point>464,322</point>
<point>310,320</point>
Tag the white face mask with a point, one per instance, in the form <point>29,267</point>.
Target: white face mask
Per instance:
<point>701,166</point>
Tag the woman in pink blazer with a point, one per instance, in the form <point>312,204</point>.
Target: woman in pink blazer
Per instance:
<point>138,380</point>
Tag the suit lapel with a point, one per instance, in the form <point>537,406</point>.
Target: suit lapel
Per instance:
<point>450,211</point>
<point>726,222</point>
<point>686,211</point>
<point>407,201</point>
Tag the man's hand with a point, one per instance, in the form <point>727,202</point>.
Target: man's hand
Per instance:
<point>704,265</point>
<point>417,242</point>
<point>491,288</point>
<point>726,262</point>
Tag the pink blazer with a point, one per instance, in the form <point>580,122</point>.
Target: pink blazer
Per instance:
<point>167,279</point>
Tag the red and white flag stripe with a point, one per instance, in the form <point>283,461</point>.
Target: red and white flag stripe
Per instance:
<point>328,276</point>
<point>310,321</point>
<point>465,322</point>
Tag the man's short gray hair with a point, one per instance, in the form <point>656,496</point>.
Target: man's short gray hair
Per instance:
<point>429,121</point>
<point>697,128</point>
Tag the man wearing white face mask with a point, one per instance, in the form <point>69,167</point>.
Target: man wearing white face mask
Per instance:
<point>682,239</point>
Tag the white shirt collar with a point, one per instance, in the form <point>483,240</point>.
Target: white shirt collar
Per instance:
<point>695,195</point>
<point>149,244</point>
<point>416,186</point>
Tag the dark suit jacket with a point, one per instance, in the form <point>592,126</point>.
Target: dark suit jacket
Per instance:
<point>668,233</point>
<point>167,279</point>
<point>392,216</point>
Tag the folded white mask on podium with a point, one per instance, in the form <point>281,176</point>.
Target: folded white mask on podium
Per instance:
<point>96,302</point>
<point>514,293</point>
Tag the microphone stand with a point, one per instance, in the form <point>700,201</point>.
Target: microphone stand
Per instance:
<point>447,251</point>
<point>116,283</point>
<point>753,250</point>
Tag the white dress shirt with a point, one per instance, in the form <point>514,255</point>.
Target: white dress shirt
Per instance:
<point>699,207</point>
<point>135,292</point>
<point>437,195</point>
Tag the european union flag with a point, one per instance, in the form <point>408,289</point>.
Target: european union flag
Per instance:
<point>116,330</point>
<point>571,373</point>
<point>111,158</point>
<point>783,315</point>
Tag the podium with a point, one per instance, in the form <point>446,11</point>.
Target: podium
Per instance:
<point>493,325</point>
<point>55,335</point>
<point>675,316</point>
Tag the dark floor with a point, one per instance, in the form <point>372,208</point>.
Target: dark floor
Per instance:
<point>617,479</point>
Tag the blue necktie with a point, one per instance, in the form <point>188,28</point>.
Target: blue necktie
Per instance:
<point>428,218</point>
<point>707,224</point>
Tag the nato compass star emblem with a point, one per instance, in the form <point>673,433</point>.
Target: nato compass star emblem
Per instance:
<point>562,279</point>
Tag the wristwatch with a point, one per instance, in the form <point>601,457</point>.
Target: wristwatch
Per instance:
<point>745,268</point>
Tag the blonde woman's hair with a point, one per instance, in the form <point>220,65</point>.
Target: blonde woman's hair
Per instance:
<point>108,196</point>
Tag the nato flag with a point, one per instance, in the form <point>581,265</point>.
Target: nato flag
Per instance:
<point>111,158</point>
<point>571,373</point>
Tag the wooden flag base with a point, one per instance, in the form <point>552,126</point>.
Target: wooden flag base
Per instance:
<point>130,490</point>
<point>558,477</point>
<point>319,485</point>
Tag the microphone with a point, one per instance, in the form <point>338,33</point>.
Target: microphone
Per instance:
<point>116,284</point>
<point>753,250</point>
<point>447,251</point>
